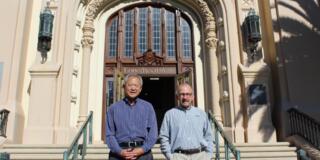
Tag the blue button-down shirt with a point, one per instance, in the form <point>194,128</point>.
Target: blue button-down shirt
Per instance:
<point>185,129</point>
<point>131,123</point>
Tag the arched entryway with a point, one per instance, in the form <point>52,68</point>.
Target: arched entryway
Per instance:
<point>155,41</point>
<point>204,62</point>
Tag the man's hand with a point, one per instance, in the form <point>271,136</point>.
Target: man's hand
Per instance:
<point>127,154</point>
<point>138,151</point>
<point>131,153</point>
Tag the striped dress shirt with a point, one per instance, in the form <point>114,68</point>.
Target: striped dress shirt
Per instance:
<point>185,129</point>
<point>131,123</point>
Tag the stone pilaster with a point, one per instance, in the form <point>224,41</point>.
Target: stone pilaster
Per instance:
<point>87,43</point>
<point>40,124</point>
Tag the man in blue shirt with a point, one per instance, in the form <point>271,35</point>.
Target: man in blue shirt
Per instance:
<point>131,129</point>
<point>186,131</point>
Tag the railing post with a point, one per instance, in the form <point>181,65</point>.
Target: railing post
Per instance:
<point>216,137</point>
<point>65,155</point>
<point>84,146</point>
<point>4,156</point>
<point>238,155</point>
<point>90,127</point>
<point>226,149</point>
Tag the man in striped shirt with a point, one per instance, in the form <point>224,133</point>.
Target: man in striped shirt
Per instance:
<point>186,132</point>
<point>131,129</point>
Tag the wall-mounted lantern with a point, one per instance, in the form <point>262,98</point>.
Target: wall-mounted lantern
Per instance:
<point>253,35</point>
<point>4,115</point>
<point>45,32</point>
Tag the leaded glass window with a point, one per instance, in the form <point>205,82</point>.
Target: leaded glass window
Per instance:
<point>113,38</point>
<point>128,32</point>
<point>156,26</point>
<point>171,35</point>
<point>143,29</point>
<point>186,39</point>
<point>132,31</point>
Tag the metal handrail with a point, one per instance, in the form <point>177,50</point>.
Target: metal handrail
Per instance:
<point>4,114</point>
<point>228,145</point>
<point>303,125</point>
<point>75,147</point>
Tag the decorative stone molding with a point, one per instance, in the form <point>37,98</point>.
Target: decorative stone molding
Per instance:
<point>220,22</point>
<point>77,47</point>
<point>87,39</point>
<point>210,27</point>
<point>225,95</point>
<point>246,4</point>
<point>95,6</point>
<point>224,70</point>
<point>150,58</point>
<point>222,45</point>
<point>74,98</point>
<point>85,2</point>
<point>211,42</point>
<point>75,71</point>
<point>78,23</point>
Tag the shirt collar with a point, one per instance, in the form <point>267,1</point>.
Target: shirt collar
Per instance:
<point>185,109</point>
<point>126,101</point>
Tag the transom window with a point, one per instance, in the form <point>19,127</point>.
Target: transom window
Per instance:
<point>131,32</point>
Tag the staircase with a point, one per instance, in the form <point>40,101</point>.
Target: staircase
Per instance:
<point>257,151</point>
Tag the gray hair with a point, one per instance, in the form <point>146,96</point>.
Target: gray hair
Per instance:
<point>133,75</point>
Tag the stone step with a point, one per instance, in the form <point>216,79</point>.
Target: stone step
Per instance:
<point>253,151</point>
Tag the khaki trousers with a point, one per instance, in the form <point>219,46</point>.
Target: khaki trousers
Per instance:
<point>196,156</point>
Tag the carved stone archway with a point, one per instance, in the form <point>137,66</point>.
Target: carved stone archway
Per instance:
<point>96,6</point>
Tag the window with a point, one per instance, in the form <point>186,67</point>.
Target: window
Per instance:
<point>113,37</point>
<point>186,39</point>
<point>171,35</point>
<point>143,29</point>
<point>156,26</point>
<point>109,91</point>
<point>128,32</point>
<point>132,31</point>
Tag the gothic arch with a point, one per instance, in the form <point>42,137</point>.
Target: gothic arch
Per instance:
<point>96,6</point>
<point>203,10</point>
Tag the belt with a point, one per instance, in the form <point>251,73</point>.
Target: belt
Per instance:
<point>190,151</point>
<point>131,144</point>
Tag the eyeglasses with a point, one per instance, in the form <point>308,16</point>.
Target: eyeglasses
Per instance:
<point>185,94</point>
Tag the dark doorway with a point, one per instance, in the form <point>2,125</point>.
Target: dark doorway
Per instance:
<point>160,92</point>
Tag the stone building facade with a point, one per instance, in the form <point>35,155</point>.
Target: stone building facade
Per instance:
<point>202,42</point>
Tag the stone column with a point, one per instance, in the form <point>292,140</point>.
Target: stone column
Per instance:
<point>87,43</point>
<point>211,42</point>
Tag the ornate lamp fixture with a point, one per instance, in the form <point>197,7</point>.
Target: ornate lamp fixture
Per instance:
<point>4,114</point>
<point>253,35</point>
<point>45,32</point>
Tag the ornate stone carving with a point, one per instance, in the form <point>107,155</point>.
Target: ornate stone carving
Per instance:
<point>87,39</point>
<point>210,28</point>
<point>95,6</point>
<point>222,45</point>
<point>150,58</point>
<point>211,42</point>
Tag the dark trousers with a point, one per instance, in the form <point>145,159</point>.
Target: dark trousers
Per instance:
<point>145,156</point>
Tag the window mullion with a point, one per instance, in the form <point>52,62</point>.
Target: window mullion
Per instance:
<point>178,34</point>
<point>162,29</point>
<point>135,34</point>
<point>149,29</point>
<point>120,36</point>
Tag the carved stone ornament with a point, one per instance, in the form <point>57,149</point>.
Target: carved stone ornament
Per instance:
<point>211,42</point>
<point>211,37</point>
<point>150,58</point>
